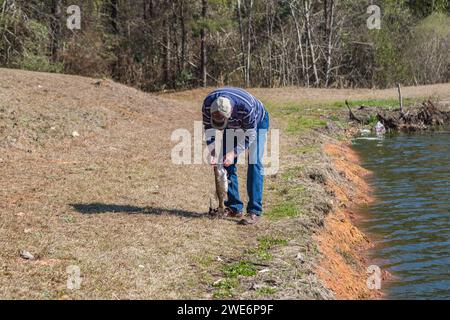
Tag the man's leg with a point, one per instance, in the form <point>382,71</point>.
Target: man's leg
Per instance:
<point>233,201</point>
<point>255,174</point>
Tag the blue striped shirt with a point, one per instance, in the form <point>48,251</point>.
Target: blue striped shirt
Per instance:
<point>247,113</point>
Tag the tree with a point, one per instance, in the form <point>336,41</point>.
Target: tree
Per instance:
<point>159,44</point>
<point>203,59</point>
<point>307,13</point>
<point>114,11</point>
<point>56,11</point>
<point>328,10</point>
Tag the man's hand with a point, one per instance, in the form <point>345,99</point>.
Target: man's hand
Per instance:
<point>212,158</point>
<point>228,160</point>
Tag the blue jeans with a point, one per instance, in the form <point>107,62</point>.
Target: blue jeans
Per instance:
<point>255,175</point>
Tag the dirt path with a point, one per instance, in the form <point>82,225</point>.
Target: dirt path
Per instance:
<point>111,202</point>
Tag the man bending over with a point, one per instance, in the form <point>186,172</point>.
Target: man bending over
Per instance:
<point>245,121</point>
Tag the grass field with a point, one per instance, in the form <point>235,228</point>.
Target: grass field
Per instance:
<point>109,200</point>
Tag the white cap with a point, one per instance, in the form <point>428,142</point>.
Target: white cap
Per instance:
<point>224,106</point>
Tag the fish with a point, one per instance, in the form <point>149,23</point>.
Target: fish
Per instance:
<point>221,181</point>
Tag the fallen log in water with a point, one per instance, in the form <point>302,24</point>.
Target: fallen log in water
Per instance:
<point>428,115</point>
<point>407,119</point>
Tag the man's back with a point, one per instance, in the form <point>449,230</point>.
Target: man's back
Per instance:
<point>247,110</point>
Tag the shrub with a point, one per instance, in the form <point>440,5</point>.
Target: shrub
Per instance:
<point>34,56</point>
<point>24,42</point>
<point>390,43</point>
<point>428,53</point>
<point>90,54</point>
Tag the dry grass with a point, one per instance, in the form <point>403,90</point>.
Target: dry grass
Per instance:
<point>316,96</point>
<point>111,202</point>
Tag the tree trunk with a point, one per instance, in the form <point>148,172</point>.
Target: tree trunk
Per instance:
<point>174,36</point>
<point>183,35</point>
<point>148,9</point>
<point>56,28</point>
<point>329,24</point>
<point>241,32</point>
<point>249,44</point>
<point>269,43</point>
<point>167,49</point>
<point>300,45</point>
<point>307,5</point>
<point>114,16</point>
<point>203,44</point>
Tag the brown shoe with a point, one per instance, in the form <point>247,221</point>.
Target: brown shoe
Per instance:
<point>230,213</point>
<point>250,220</point>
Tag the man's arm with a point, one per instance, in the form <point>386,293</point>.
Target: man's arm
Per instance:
<point>209,131</point>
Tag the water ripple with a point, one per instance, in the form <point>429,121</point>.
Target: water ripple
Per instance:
<point>412,216</point>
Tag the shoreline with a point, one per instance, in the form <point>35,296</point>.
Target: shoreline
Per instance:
<point>343,245</point>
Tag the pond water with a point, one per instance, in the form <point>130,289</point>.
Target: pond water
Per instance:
<point>411,218</point>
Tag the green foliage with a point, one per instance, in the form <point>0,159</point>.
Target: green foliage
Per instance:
<point>423,8</point>
<point>308,148</point>
<point>283,210</point>
<point>184,79</point>
<point>265,244</point>
<point>428,52</point>
<point>283,108</point>
<point>240,268</point>
<point>300,123</point>
<point>34,56</point>
<point>24,43</point>
<point>437,22</point>
<point>225,288</point>
<point>390,44</point>
<point>266,291</point>
<point>35,62</point>
<point>372,120</point>
<point>291,173</point>
<point>160,48</point>
<point>384,103</point>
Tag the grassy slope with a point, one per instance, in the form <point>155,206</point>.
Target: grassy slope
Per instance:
<point>111,202</point>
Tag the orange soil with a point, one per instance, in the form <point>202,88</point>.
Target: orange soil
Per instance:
<point>344,267</point>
